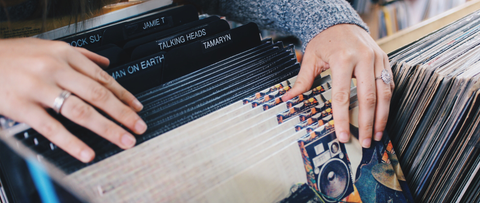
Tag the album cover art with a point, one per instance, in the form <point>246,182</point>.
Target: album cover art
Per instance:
<point>299,108</point>
<point>341,172</point>
<point>312,111</point>
<point>267,97</point>
<point>317,124</point>
<point>306,95</point>
<point>280,88</point>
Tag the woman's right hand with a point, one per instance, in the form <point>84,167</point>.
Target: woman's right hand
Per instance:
<point>349,51</point>
<point>33,72</point>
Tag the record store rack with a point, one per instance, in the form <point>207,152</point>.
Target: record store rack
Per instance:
<point>207,89</point>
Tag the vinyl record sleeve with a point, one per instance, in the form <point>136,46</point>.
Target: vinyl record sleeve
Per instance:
<point>214,92</point>
<point>452,178</point>
<point>226,113</point>
<point>217,81</point>
<point>466,155</point>
<point>198,155</point>
<point>456,121</point>
<point>206,72</point>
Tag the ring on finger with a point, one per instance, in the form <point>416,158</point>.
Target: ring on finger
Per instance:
<point>385,76</point>
<point>60,100</point>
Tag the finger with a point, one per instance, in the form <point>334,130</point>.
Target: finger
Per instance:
<point>54,131</point>
<point>341,79</point>
<point>384,95</point>
<point>99,60</point>
<point>83,114</point>
<point>88,68</point>
<point>101,97</point>
<point>305,78</point>
<point>367,96</point>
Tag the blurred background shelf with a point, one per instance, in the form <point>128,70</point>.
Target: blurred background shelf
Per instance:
<point>415,32</point>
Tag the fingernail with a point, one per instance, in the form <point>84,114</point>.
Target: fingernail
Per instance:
<point>366,143</point>
<point>343,137</point>
<point>378,136</point>
<point>137,105</point>
<point>128,140</point>
<point>140,126</point>
<point>86,155</point>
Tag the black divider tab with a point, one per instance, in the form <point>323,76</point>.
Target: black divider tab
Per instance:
<point>162,34</point>
<point>95,34</point>
<point>156,22</point>
<point>185,59</point>
<point>91,39</point>
<point>141,74</point>
<point>120,31</point>
<point>193,34</point>
<point>161,21</point>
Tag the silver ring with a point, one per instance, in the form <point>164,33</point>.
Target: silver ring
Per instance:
<point>385,76</point>
<point>58,103</point>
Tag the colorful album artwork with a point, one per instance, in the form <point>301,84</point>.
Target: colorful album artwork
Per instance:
<point>312,111</point>
<point>272,103</point>
<point>270,96</point>
<point>324,121</point>
<point>296,100</point>
<point>309,118</point>
<point>299,108</point>
<point>281,87</point>
<point>309,94</point>
<point>341,172</point>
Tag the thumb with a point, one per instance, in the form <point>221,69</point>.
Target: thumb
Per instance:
<point>308,71</point>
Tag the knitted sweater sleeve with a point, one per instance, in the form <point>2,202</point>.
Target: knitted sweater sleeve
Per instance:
<point>301,18</point>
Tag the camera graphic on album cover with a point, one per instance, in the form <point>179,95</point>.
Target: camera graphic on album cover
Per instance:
<point>327,165</point>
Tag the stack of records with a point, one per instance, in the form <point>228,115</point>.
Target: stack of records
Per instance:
<point>434,117</point>
<point>218,130</point>
<point>189,70</point>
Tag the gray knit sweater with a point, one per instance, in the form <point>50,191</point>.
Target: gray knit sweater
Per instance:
<point>301,18</point>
